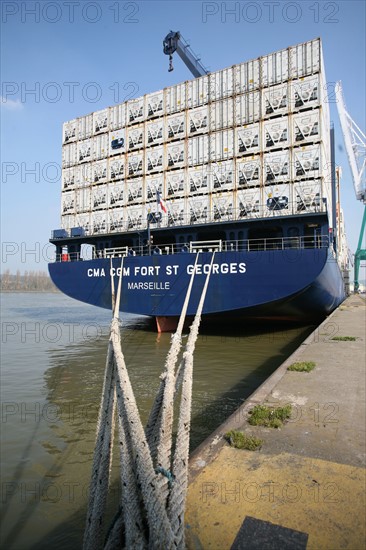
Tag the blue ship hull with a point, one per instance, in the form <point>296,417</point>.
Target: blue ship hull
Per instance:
<point>297,284</point>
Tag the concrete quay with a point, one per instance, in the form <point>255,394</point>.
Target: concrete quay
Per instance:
<point>305,487</point>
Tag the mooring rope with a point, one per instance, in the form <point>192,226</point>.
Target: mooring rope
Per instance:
<point>159,425</point>
<point>178,493</point>
<point>153,489</point>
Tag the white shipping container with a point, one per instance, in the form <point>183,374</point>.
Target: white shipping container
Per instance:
<point>154,132</point>
<point>101,146</point>
<point>277,200</point>
<point>274,68</point>
<point>175,98</point>
<point>99,221</point>
<point>155,104</point>
<point>135,110</point>
<point>99,171</point>
<point>83,199</point>
<point>175,126</point>
<point>99,197</point>
<point>247,108</point>
<point>117,116</point>
<point>68,202</point>
<point>198,92</point>
<point>69,155</point>
<point>117,168</point>
<point>247,139</point>
<point>221,114</point>
<point>135,190</point>
<point>116,220</point>
<point>198,208</point>
<point>198,120</point>
<point>247,76</point>
<point>175,154</point>
<point>275,133</point>
<point>249,203</point>
<point>176,211</point>
<point>70,131</point>
<point>249,172</point>
<point>222,145</point>
<point>198,150</point>
<point>68,221</point>
<point>275,100</point>
<point>221,84</point>
<point>308,196</point>
<point>152,185</point>
<point>136,137</point>
<point>83,220</point>
<point>135,164</point>
<point>223,207</point>
<point>305,59</point>
<point>276,167</point>
<point>136,217</point>
<point>85,127</point>
<point>68,178</point>
<point>175,183</point>
<point>85,150</point>
<point>198,180</point>
<point>306,93</point>
<point>116,195</point>
<point>83,174</point>
<point>154,159</point>
<point>117,142</point>
<point>307,162</point>
<point>306,127</point>
<point>101,121</point>
<point>222,176</point>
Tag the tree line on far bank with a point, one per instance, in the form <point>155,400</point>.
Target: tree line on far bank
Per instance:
<point>29,281</point>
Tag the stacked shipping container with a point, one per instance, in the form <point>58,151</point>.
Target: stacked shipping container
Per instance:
<point>248,141</point>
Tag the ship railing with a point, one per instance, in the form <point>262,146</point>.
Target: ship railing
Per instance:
<point>119,252</point>
<point>68,257</point>
<point>205,246</point>
<point>277,243</point>
<point>246,245</point>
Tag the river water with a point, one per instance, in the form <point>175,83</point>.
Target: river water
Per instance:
<point>53,359</point>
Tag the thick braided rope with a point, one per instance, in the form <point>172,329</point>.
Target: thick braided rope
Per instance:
<point>160,532</point>
<point>159,426</point>
<point>130,501</point>
<point>102,460</point>
<point>138,470</point>
<point>180,462</point>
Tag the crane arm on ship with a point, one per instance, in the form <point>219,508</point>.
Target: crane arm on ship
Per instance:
<point>355,142</point>
<point>174,42</point>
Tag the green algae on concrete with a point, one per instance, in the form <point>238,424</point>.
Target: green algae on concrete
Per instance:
<point>270,417</point>
<point>239,440</point>
<point>302,366</point>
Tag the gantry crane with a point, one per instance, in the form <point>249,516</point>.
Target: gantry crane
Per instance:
<point>174,42</point>
<point>355,142</point>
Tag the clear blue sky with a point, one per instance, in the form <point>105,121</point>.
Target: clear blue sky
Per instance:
<point>59,49</point>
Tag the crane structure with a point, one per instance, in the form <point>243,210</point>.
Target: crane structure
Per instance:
<point>355,143</point>
<point>174,42</point>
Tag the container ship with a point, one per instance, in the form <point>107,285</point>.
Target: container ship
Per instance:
<point>235,167</point>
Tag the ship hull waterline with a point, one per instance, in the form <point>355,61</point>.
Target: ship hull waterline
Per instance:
<point>298,284</point>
